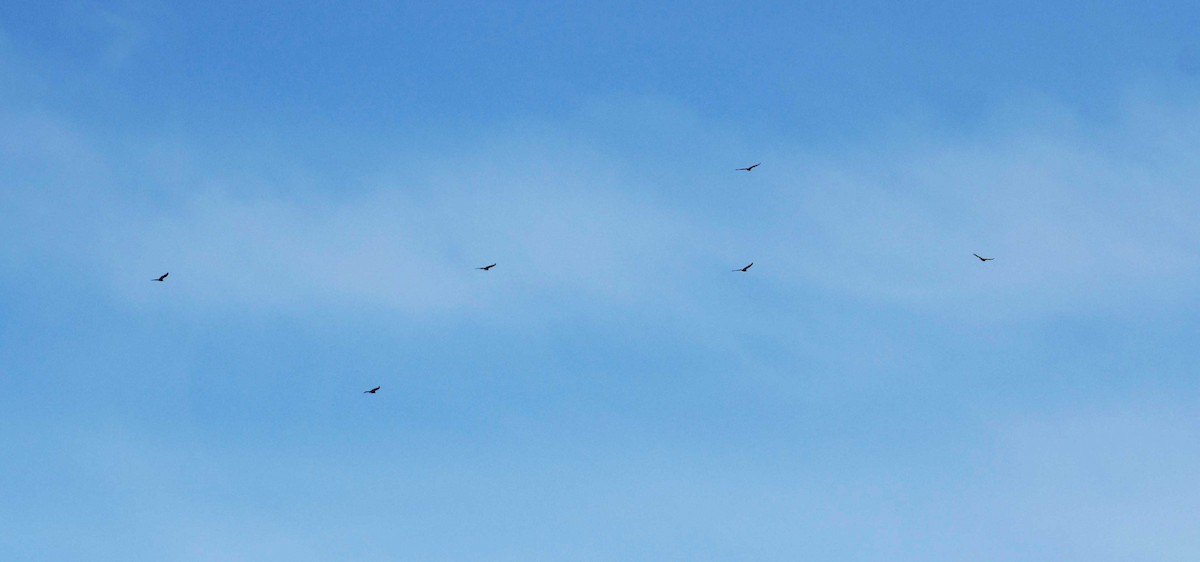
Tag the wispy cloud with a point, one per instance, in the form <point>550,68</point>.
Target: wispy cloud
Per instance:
<point>117,33</point>
<point>1078,216</point>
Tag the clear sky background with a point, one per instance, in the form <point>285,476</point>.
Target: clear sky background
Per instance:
<point>321,182</point>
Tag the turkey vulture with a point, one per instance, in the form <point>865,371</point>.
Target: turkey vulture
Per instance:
<point>487,267</point>
<point>164,276</point>
<point>748,168</point>
<point>372,391</point>
<point>744,268</point>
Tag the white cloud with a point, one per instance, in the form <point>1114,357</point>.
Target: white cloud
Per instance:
<point>1079,217</point>
<point>409,244</point>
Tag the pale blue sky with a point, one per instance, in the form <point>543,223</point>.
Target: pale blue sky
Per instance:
<point>321,182</point>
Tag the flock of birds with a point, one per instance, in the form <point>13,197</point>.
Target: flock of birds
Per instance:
<point>163,277</point>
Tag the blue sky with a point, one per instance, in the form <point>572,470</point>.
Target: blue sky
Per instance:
<point>321,182</point>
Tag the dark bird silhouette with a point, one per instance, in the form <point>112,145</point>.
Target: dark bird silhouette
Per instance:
<point>981,258</point>
<point>487,268</point>
<point>744,268</point>
<point>164,276</point>
<point>372,391</point>
<point>748,168</point>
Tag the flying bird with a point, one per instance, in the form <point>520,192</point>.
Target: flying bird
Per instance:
<point>487,268</point>
<point>748,168</point>
<point>981,258</point>
<point>744,268</point>
<point>164,276</point>
<point>372,391</point>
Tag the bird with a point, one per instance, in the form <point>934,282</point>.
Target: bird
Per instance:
<point>744,268</point>
<point>164,276</point>
<point>981,258</point>
<point>487,267</point>
<point>748,168</point>
<point>372,391</point>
